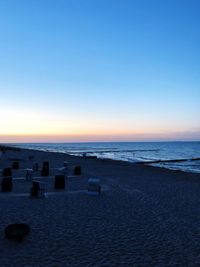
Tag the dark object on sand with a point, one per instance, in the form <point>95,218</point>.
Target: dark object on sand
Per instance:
<point>15,165</point>
<point>6,184</point>
<point>46,164</point>
<point>94,186</point>
<point>17,231</point>
<point>7,172</point>
<point>59,181</point>
<point>45,169</point>
<point>77,170</point>
<point>37,189</point>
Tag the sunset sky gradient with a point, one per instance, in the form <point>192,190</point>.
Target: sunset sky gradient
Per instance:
<point>104,70</point>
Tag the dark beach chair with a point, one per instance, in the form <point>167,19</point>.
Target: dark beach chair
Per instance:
<point>6,184</point>
<point>94,187</point>
<point>38,189</point>
<point>59,182</point>
<point>7,172</point>
<point>15,165</point>
<point>77,170</point>
<point>45,169</point>
<point>17,231</point>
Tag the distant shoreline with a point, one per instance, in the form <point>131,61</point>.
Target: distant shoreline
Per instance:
<point>145,164</point>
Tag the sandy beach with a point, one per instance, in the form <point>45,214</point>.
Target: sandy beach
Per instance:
<point>144,216</point>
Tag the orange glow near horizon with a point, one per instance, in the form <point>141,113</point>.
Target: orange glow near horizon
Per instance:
<point>23,125</point>
<point>178,136</point>
<point>24,122</point>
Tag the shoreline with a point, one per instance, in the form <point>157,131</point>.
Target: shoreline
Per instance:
<point>103,159</point>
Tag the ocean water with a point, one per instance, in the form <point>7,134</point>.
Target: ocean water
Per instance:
<point>135,152</point>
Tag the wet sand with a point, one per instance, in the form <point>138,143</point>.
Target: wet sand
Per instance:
<point>145,216</point>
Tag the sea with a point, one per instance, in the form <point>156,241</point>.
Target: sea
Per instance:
<point>166,154</point>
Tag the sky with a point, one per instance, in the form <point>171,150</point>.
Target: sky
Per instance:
<point>99,70</point>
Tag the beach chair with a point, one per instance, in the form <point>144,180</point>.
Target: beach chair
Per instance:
<point>59,182</point>
<point>17,231</point>
<point>38,189</point>
<point>6,184</point>
<point>77,170</point>
<point>45,169</point>
<point>94,187</point>
<point>7,172</point>
<point>15,165</point>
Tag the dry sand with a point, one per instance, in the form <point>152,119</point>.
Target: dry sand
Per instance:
<point>145,216</point>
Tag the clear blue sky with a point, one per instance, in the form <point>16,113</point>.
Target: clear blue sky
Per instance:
<point>99,68</point>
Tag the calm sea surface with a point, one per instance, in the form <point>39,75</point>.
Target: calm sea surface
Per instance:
<point>132,152</point>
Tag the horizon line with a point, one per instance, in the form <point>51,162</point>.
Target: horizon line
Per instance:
<point>71,142</point>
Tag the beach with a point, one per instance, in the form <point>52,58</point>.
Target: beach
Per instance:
<point>144,216</point>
